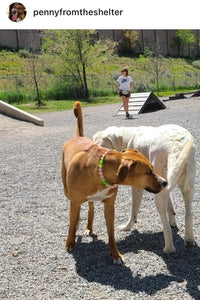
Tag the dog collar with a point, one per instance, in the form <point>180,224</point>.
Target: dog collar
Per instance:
<point>103,180</point>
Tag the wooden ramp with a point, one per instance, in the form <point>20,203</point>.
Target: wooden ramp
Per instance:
<point>19,114</point>
<point>142,103</point>
<point>185,95</point>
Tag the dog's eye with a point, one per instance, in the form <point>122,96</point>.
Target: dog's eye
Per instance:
<point>149,172</point>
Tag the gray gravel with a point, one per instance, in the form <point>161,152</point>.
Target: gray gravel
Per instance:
<point>35,217</point>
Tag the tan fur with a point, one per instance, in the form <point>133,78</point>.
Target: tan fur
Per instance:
<point>81,180</point>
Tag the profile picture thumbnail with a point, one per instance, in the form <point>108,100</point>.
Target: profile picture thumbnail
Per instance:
<point>17,12</point>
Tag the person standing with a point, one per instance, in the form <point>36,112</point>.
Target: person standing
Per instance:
<point>124,85</point>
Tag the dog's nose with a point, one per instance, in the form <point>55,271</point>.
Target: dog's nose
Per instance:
<point>165,183</point>
<point>162,181</point>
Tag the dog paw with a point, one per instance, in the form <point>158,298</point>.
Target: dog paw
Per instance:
<point>124,227</point>
<point>118,261</point>
<point>169,250</point>
<point>172,220</point>
<point>189,244</point>
<point>70,246</point>
<point>87,233</point>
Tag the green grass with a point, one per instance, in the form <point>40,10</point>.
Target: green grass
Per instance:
<point>173,92</point>
<point>55,105</point>
<point>60,105</point>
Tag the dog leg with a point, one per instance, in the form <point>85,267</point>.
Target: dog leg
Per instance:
<point>189,238</point>
<point>136,201</point>
<point>171,212</point>
<point>162,204</point>
<point>89,228</point>
<point>109,216</point>
<point>74,220</point>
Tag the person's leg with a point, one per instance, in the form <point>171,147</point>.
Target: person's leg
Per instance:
<point>125,103</point>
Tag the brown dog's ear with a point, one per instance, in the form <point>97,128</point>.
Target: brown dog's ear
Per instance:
<point>132,166</point>
<point>124,169</point>
<point>10,10</point>
<point>122,173</point>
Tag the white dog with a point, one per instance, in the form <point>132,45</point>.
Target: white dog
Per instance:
<point>170,149</point>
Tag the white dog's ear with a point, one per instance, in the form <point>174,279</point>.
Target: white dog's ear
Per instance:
<point>106,142</point>
<point>102,141</point>
<point>109,138</point>
<point>117,140</point>
<point>112,141</point>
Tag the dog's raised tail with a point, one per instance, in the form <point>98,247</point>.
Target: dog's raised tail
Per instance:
<point>177,168</point>
<point>79,115</point>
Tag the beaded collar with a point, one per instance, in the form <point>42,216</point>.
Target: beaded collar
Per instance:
<point>103,180</point>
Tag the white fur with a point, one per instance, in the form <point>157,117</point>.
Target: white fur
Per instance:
<point>170,149</point>
<point>100,195</point>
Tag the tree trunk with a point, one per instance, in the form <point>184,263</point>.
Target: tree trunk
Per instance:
<point>86,91</point>
<point>36,86</point>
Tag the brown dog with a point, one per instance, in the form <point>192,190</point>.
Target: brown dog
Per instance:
<point>90,172</point>
<point>17,12</point>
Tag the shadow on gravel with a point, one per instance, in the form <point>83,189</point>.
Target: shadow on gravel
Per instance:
<point>94,265</point>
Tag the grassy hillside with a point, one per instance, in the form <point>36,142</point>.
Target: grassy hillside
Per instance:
<point>12,64</point>
<point>17,85</point>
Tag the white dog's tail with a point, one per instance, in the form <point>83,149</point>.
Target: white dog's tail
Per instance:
<point>176,169</point>
<point>79,115</point>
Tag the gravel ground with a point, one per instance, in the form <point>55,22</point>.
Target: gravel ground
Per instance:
<point>35,217</point>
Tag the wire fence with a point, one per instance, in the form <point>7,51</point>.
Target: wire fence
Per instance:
<point>59,87</point>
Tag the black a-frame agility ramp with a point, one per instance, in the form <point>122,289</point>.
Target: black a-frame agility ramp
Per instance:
<point>142,103</point>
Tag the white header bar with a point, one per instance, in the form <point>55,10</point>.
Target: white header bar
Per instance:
<point>90,14</point>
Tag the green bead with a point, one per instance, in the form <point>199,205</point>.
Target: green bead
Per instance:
<point>104,182</point>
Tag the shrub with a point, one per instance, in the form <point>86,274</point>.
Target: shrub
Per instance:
<point>196,64</point>
<point>115,75</point>
<point>23,53</point>
<point>49,70</point>
<point>16,97</point>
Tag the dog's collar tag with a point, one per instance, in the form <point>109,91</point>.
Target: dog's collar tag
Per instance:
<point>103,180</point>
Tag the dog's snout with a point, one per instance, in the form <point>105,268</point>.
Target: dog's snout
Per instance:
<point>162,181</point>
<point>165,183</point>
